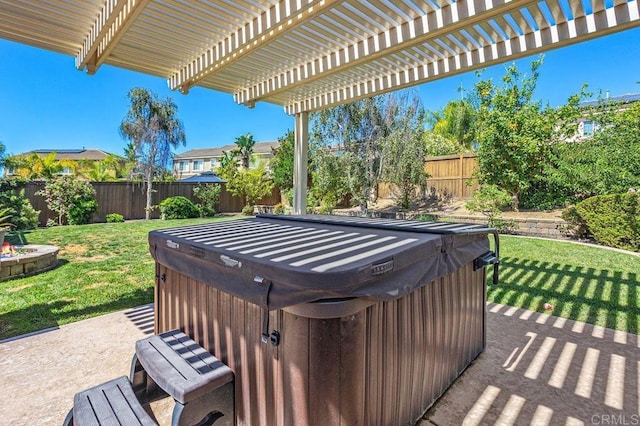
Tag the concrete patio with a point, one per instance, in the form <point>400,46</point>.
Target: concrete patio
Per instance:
<point>537,369</point>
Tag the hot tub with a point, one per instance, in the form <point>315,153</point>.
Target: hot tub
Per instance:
<point>328,320</point>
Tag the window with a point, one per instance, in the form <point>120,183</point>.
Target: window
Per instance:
<point>65,171</point>
<point>214,164</point>
<point>198,165</point>
<point>588,128</point>
<point>183,166</point>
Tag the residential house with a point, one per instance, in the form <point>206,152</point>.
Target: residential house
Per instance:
<point>69,157</point>
<point>588,126</point>
<point>200,160</point>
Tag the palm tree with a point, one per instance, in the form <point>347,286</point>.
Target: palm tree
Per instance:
<point>245,145</point>
<point>152,126</point>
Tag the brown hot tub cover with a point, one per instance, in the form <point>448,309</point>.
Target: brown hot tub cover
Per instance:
<point>280,261</point>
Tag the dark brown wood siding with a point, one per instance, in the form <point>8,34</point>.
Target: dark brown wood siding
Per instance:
<point>385,364</point>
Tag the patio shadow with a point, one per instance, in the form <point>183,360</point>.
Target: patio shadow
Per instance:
<point>612,302</point>
<point>545,370</point>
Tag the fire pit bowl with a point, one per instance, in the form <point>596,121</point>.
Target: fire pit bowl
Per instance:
<point>31,259</point>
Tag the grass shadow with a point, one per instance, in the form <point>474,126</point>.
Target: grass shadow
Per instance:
<point>597,296</point>
<point>47,315</point>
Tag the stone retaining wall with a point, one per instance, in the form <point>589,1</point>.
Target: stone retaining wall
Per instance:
<point>530,227</point>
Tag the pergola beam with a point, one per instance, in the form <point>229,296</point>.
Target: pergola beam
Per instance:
<point>277,21</point>
<point>430,26</point>
<point>115,17</point>
<point>602,22</point>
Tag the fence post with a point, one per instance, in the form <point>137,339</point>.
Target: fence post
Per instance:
<point>461,186</point>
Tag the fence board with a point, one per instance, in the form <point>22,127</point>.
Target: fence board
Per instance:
<point>448,177</point>
<point>129,199</point>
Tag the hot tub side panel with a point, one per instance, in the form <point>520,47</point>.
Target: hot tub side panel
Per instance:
<point>385,364</point>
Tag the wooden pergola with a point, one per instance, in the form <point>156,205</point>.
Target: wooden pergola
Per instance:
<point>306,55</point>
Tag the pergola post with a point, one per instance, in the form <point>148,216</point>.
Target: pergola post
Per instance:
<point>300,153</point>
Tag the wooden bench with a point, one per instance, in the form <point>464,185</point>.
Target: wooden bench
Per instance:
<point>110,403</point>
<point>200,384</point>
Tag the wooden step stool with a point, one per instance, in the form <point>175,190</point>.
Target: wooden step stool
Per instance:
<point>110,403</point>
<point>201,385</point>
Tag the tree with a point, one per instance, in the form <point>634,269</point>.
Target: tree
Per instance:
<point>456,122</point>
<point>33,166</point>
<point>328,180</point>
<point>358,131</point>
<point>251,185</point>
<point>607,163</point>
<point>282,162</point>
<point>228,165</point>
<point>152,126</point>
<point>404,152</point>
<point>515,132</point>
<point>245,144</point>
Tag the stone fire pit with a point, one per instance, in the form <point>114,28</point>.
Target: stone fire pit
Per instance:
<point>28,260</point>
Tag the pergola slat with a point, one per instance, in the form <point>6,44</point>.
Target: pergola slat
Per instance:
<point>307,54</point>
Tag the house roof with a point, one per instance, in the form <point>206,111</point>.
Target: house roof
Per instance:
<point>204,177</point>
<point>623,99</point>
<point>258,148</point>
<point>72,154</point>
<point>306,55</point>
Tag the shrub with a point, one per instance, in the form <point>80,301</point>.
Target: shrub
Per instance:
<point>80,212</point>
<point>325,209</point>
<point>73,199</point>
<point>576,225</point>
<point>209,197</point>
<point>489,200</point>
<point>247,210</point>
<point>613,220</point>
<point>19,208</point>
<point>114,218</point>
<point>178,208</point>
<point>426,217</point>
<point>278,208</point>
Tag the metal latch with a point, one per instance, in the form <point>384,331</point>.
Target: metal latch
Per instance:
<point>489,258</point>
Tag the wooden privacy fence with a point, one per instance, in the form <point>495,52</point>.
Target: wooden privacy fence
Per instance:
<point>448,177</point>
<point>129,199</point>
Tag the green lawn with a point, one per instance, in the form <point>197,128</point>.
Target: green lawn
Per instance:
<point>102,268</point>
<point>107,267</point>
<point>583,283</point>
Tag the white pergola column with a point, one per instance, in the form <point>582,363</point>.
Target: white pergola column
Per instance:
<point>300,155</point>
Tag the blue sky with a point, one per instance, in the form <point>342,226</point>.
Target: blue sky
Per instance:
<point>45,103</point>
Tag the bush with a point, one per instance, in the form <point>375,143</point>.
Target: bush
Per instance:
<point>576,225</point>
<point>489,200</point>
<point>278,208</point>
<point>178,208</point>
<point>613,220</point>
<point>18,207</point>
<point>73,199</point>
<point>209,197</point>
<point>81,211</point>
<point>247,210</point>
<point>114,218</point>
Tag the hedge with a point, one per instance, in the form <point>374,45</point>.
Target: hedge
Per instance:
<point>613,220</point>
